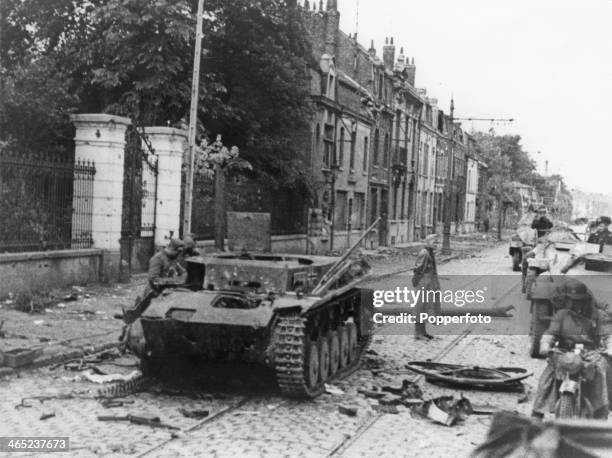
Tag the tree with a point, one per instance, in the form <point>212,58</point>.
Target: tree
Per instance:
<point>134,58</point>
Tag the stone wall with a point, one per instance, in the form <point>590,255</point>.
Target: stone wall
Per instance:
<point>45,270</point>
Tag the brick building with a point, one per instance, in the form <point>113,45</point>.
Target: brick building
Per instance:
<point>379,147</point>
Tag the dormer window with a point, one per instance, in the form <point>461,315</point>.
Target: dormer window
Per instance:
<point>328,78</point>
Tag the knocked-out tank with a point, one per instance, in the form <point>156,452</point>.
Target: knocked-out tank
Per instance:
<point>302,317</point>
<point>262,309</point>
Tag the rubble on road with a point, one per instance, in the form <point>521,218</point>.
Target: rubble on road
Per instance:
<point>471,376</point>
<point>351,411</point>
<point>445,409</point>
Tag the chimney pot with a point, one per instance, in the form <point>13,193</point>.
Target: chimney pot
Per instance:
<point>391,40</point>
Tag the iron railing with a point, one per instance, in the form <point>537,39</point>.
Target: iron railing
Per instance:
<point>45,202</point>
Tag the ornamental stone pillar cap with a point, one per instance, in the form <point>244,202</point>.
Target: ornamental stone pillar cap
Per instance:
<point>99,118</point>
<point>162,130</point>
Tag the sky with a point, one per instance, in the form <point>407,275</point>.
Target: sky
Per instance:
<point>545,63</point>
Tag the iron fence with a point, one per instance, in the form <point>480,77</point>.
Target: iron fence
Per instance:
<point>45,202</point>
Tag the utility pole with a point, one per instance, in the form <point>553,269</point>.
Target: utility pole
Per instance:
<point>446,247</point>
<point>2,6</point>
<point>193,120</point>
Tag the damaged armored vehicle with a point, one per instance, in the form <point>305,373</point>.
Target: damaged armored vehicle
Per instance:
<point>301,317</point>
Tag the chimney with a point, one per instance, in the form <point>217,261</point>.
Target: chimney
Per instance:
<point>401,61</point>
<point>410,72</point>
<point>332,26</point>
<point>306,5</point>
<point>372,50</point>
<point>389,54</point>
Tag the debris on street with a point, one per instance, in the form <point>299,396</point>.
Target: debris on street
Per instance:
<point>18,357</point>
<point>351,411</point>
<point>474,377</point>
<point>196,413</point>
<point>154,422</point>
<point>47,415</point>
<point>445,410</point>
<point>331,389</point>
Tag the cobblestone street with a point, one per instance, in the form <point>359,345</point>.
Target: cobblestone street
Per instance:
<point>247,424</point>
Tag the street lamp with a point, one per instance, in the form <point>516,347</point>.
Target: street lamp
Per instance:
<point>331,175</point>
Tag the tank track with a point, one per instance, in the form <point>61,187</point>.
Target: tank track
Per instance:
<point>291,339</point>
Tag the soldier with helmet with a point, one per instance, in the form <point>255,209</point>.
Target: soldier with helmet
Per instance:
<point>580,322</point>
<point>541,223</point>
<point>602,236</point>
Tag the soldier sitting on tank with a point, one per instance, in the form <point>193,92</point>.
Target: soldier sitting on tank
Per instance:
<point>162,266</point>
<point>582,322</point>
<point>541,223</point>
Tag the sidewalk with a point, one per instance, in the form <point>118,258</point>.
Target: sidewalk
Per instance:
<point>75,322</point>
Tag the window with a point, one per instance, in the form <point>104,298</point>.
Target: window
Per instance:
<point>365,154</point>
<point>352,156</point>
<point>328,145</point>
<point>357,217</point>
<point>317,141</point>
<point>376,147</point>
<point>340,217</point>
<point>341,148</point>
<point>380,85</point>
<point>387,147</point>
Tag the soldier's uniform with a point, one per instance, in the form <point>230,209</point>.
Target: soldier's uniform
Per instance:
<point>163,264</point>
<point>588,326</point>
<point>542,224</point>
<point>426,277</point>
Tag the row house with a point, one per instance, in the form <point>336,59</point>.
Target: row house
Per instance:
<point>379,147</point>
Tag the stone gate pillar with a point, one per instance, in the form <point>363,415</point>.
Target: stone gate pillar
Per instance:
<point>168,144</point>
<point>100,138</point>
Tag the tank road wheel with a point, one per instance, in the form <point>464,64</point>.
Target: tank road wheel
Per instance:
<point>334,352</point>
<point>343,335</point>
<point>296,358</point>
<point>313,367</point>
<point>352,342</point>
<point>324,359</point>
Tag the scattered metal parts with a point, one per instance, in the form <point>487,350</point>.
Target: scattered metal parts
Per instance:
<point>445,409</point>
<point>47,415</point>
<point>372,394</point>
<point>153,422</point>
<point>194,413</point>
<point>25,402</point>
<point>474,377</point>
<point>109,403</point>
<point>392,409</point>
<point>126,388</point>
<point>351,411</point>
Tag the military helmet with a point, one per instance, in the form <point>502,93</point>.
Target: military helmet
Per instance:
<point>576,290</point>
<point>605,220</point>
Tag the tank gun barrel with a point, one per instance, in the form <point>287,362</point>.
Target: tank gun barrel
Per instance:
<point>333,270</point>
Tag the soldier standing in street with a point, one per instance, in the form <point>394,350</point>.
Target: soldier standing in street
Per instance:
<point>541,223</point>
<point>426,277</point>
